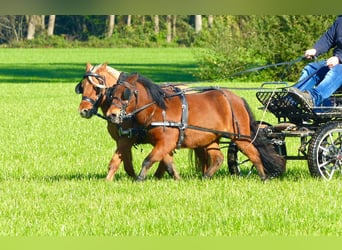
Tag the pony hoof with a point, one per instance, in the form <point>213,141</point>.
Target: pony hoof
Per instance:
<point>206,177</point>
<point>140,179</point>
<point>264,179</point>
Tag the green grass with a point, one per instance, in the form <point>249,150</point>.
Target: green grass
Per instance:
<point>53,165</point>
<point>67,65</point>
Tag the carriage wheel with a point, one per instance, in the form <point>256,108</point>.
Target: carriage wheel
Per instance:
<point>325,151</point>
<point>234,161</point>
<point>234,156</point>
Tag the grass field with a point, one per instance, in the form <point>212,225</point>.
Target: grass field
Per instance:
<point>53,164</point>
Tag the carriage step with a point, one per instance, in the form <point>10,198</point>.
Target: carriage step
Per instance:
<point>285,126</point>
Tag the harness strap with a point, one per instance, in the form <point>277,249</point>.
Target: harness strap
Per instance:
<point>179,125</point>
<point>88,99</point>
<point>95,104</point>
<point>235,123</point>
<point>183,124</point>
<point>222,133</point>
<point>184,120</point>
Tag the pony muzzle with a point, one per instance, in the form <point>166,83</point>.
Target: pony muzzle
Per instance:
<point>86,113</point>
<point>115,116</point>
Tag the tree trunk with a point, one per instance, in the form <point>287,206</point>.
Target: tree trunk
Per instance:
<point>42,22</point>
<point>210,21</point>
<point>198,23</point>
<point>143,21</point>
<point>174,20</point>
<point>31,27</point>
<point>13,26</point>
<point>168,27</point>
<point>129,20</point>
<point>156,24</point>
<point>111,25</point>
<point>34,25</point>
<point>51,25</point>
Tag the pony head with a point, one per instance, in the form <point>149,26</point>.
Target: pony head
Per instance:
<point>93,87</point>
<point>122,95</point>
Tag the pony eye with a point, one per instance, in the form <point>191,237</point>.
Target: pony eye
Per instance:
<point>127,94</point>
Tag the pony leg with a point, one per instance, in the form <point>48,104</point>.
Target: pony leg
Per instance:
<point>167,165</point>
<point>122,153</point>
<point>170,167</point>
<point>146,165</point>
<point>215,158</point>
<point>162,168</point>
<point>158,153</point>
<point>252,153</point>
<point>113,166</point>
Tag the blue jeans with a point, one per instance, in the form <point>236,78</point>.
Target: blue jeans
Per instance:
<point>322,84</point>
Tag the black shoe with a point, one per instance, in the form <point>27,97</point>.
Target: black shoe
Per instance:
<point>304,95</point>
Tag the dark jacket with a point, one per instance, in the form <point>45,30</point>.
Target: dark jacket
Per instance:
<point>332,38</point>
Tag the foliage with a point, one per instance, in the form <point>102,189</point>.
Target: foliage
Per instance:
<point>231,45</point>
<point>237,43</point>
<point>91,31</point>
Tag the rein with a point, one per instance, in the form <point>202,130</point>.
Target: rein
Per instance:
<point>134,112</point>
<point>289,63</point>
<point>101,116</point>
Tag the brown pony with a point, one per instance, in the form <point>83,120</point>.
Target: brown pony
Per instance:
<point>210,115</point>
<point>96,81</point>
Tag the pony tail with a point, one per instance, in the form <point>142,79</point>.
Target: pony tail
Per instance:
<point>199,159</point>
<point>274,164</point>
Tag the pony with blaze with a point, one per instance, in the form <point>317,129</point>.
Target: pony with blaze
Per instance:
<point>198,122</point>
<point>96,81</point>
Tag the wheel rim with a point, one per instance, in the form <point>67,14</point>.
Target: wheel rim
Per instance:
<point>329,155</point>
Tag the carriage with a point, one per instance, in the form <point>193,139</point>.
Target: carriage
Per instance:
<point>318,130</point>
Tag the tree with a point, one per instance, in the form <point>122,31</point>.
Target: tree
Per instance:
<point>129,20</point>
<point>51,25</point>
<point>168,29</point>
<point>111,23</point>
<point>198,23</point>
<point>210,21</point>
<point>174,22</point>
<point>11,28</point>
<point>156,24</point>
<point>35,24</point>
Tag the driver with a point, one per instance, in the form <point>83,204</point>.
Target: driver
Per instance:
<point>319,80</point>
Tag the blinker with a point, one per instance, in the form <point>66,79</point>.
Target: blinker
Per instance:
<point>127,94</point>
<point>78,88</point>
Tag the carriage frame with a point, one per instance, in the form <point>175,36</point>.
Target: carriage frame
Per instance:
<point>318,129</point>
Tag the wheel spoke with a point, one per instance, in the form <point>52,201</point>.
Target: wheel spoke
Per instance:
<point>325,151</point>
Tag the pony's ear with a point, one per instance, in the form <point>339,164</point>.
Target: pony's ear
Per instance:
<point>104,66</point>
<point>88,67</point>
<point>133,78</point>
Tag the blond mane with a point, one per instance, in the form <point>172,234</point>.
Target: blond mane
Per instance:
<point>110,70</point>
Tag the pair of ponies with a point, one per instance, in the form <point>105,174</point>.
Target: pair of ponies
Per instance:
<point>135,102</point>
